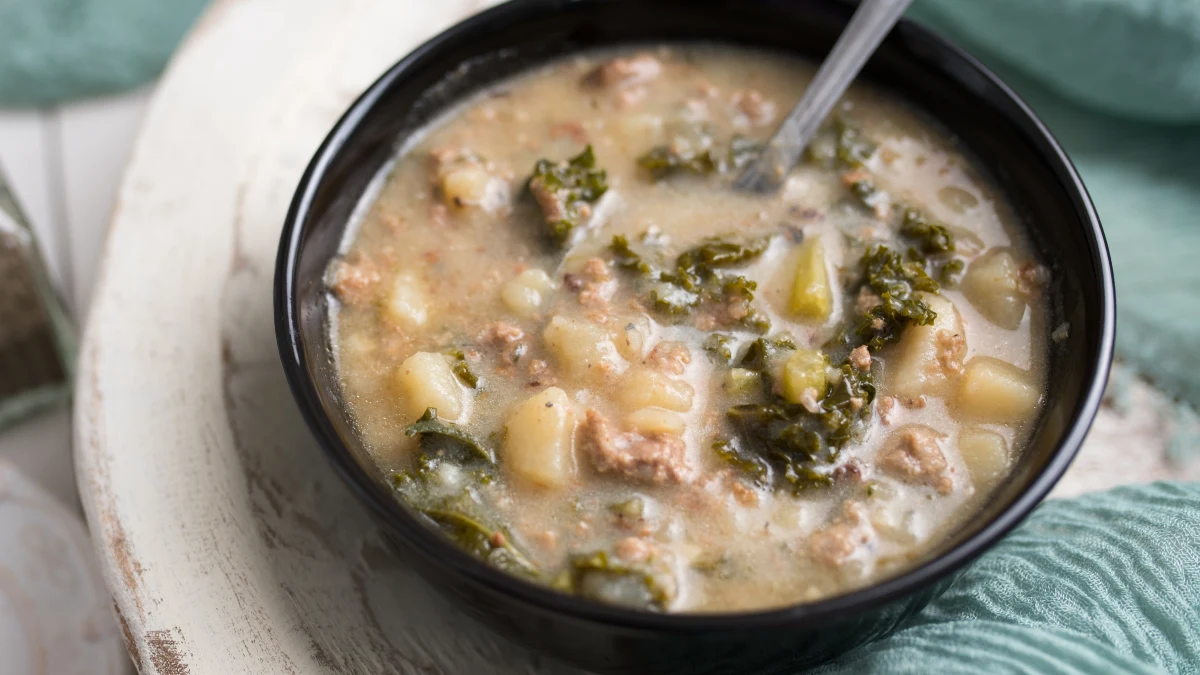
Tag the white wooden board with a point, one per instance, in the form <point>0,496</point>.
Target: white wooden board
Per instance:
<point>228,544</point>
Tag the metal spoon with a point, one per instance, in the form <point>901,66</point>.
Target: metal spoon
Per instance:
<point>870,24</point>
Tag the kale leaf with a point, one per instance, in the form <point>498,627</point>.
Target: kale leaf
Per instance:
<point>565,192</point>
<point>681,157</point>
<point>897,283</point>
<point>437,434</point>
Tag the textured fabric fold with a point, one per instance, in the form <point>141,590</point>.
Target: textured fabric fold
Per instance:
<point>1105,583</point>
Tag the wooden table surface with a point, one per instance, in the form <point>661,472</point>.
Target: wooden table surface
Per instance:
<point>228,544</point>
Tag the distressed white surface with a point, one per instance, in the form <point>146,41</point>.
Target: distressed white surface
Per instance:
<point>228,544</point>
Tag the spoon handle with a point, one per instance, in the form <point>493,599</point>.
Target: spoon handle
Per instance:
<point>870,24</point>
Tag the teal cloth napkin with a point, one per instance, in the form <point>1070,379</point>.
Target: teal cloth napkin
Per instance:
<point>55,50</point>
<point>1106,583</point>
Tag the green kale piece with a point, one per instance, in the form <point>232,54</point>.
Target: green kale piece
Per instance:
<point>565,191</point>
<point>897,283</point>
<point>680,157</point>
<point>794,445</point>
<point>760,352</point>
<point>719,348</point>
<point>462,369</point>
<point>439,435</point>
<point>928,237</point>
<point>698,277</point>
<point>853,148</point>
<point>492,545</point>
<point>753,466</point>
<point>596,576</point>
<point>950,272</point>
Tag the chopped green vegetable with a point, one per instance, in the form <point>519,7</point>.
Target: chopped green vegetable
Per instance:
<point>753,466</point>
<point>565,191</point>
<point>866,192</point>
<point>759,354</point>
<point>682,157</point>
<point>445,436</point>
<point>492,545</point>
<point>697,278</point>
<point>800,445</point>
<point>719,347</point>
<point>630,509</point>
<point>897,283</point>
<point>463,370</point>
<point>951,271</point>
<point>597,577</point>
<point>928,237</point>
<point>853,148</point>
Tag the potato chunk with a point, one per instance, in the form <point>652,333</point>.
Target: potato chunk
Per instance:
<point>992,285</point>
<point>812,292</point>
<point>804,369</point>
<point>996,391</point>
<point>407,304</point>
<point>584,350</point>
<point>645,388</point>
<point>649,421</point>
<point>928,359</point>
<point>426,380</point>
<point>985,453</point>
<point>525,294</point>
<point>539,441</point>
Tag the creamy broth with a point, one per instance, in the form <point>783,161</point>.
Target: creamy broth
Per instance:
<point>617,417</point>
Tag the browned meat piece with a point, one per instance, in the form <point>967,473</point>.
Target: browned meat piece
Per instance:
<point>744,494</point>
<point>633,549</point>
<point>914,455</point>
<point>752,107</point>
<point>657,458</point>
<point>851,177</point>
<point>624,72</point>
<point>867,300</point>
<point>549,201</point>
<point>950,351</point>
<point>355,280</point>
<point>500,332</point>
<point>861,358</point>
<point>507,337</point>
<point>573,130</point>
<point>887,409</point>
<point>844,539</point>
<point>670,357</point>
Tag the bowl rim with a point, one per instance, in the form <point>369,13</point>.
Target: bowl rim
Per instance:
<point>433,546</point>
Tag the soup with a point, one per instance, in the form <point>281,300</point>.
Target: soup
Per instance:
<point>572,346</point>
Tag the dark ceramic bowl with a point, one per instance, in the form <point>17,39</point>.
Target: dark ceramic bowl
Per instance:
<point>914,64</point>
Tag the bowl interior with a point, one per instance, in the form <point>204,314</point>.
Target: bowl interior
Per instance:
<point>912,64</point>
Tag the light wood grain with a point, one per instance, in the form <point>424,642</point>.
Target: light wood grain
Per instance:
<point>228,544</point>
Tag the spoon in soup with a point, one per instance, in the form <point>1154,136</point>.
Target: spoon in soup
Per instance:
<point>870,24</point>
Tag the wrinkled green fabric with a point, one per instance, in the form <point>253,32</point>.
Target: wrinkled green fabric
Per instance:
<point>56,50</point>
<point>1105,583</point>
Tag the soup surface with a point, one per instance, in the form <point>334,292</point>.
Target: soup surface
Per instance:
<point>582,355</point>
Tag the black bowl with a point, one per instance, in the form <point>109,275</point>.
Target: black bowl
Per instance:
<point>913,63</point>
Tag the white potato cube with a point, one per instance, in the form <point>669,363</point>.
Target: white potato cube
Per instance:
<point>632,337</point>
<point>526,293</point>
<point>928,359</point>
<point>985,453</point>
<point>471,185</point>
<point>407,305</point>
<point>655,421</point>
<point>426,380</point>
<point>645,388</point>
<point>996,391</point>
<point>992,285</point>
<point>584,350</point>
<point>539,439</point>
